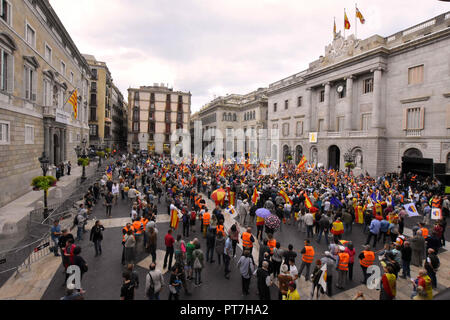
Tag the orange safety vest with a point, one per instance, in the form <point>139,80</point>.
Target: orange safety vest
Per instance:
<point>126,230</point>
<point>220,229</point>
<point>138,226</point>
<point>424,232</point>
<point>144,222</point>
<point>206,218</point>
<point>246,240</point>
<point>369,258</point>
<point>272,244</point>
<point>343,261</point>
<point>308,256</point>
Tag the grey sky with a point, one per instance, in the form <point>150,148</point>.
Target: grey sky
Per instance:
<point>215,47</point>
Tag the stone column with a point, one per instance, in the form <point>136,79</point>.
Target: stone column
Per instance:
<point>46,140</point>
<point>376,105</point>
<point>327,107</point>
<point>64,158</point>
<point>51,147</point>
<point>308,122</point>
<point>349,105</point>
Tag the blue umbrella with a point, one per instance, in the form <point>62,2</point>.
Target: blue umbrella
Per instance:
<point>263,213</point>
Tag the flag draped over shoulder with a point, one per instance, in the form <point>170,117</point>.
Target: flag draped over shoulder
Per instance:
<point>255,196</point>
<point>323,277</point>
<point>73,100</point>
<point>286,198</point>
<point>174,219</point>
<point>308,202</point>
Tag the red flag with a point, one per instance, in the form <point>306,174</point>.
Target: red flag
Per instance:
<point>255,196</point>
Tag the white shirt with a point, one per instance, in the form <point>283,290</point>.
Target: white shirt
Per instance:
<point>133,214</point>
<point>309,219</point>
<point>115,189</point>
<point>293,271</point>
<point>326,205</point>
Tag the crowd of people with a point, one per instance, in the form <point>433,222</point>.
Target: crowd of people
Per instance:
<point>319,203</point>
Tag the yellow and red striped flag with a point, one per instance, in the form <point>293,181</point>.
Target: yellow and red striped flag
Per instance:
<point>255,196</point>
<point>286,198</point>
<point>174,219</point>
<point>346,22</point>
<point>302,163</point>
<point>222,172</point>
<point>308,202</point>
<point>360,16</point>
<point>73,100</point>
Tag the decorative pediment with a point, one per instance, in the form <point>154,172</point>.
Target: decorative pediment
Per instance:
<point>49,73</point>
<point>31,60</point>
<point>7,41</point>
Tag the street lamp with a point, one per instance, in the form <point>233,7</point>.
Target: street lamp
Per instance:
<point>44,166</point>
<point>349,159</point>
<point>81,153</point>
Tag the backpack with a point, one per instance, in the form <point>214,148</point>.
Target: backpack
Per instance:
<point>151,287</point>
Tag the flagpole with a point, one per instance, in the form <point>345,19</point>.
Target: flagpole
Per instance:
<point>344,23</point>
<point>356,24</point>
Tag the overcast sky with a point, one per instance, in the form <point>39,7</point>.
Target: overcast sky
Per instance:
<point>216,47</point>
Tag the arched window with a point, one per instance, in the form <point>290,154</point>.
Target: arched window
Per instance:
<point>229,116</point>
<point>413,153</point>
<point>234,117</point>
<point>254,114</point>
<point>245,117</point>
<point>224,117</point>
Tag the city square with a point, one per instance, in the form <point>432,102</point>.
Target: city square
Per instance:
<point>327,179</point>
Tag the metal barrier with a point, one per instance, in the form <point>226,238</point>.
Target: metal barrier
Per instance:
<point>21,258</point>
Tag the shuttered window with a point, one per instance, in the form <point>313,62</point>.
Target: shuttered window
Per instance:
<point>413,118</point>
<point>415,75</point>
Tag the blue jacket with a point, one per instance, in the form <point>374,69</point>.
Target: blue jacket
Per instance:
<point>374,226</point>
<point>384,225</point>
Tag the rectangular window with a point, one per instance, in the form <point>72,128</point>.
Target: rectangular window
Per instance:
<point>136,126</point>
<point>368,85</point>
<point>93,130</point>
<point>135,115</point>
<point>151,115</point>
<point>136,95</point>
<point>30,36</point>
<point>48,53</point>
<point>167,118</point>
<point>274,107</point>
<point>299,101</point>
<point>321,125</point>
<point>299,129</point>
<point>286,104</point>
<point>4,132</point>
<point>414,118</point>
<point>6,71</point>
<point>29,134</point>
<point>30,86</point>
<point>94,74</point>
<point>151,127</point>
<point>365,121</point>
<point>415,75</point>
<point>5,11</point>
<point>93,114</point>
<point>340,124</point>
<point>93,99</point>
<point>94,86</point>
<point>63,68</point>
<point>322,96</point>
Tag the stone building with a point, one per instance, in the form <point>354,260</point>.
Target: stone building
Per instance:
<point>154,112</point>
<point>100,106</point>
<point>119,119</point>
<point>231,113</point>
<point>40,68</point>
<point>380,99</point>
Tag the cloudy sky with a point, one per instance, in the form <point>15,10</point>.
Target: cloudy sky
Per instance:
<point>216,47</point>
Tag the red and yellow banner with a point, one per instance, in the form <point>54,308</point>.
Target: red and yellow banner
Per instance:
<point>73,100</point>
<point>286,198</point>
<point>174,219</point>
<point>346,22</point>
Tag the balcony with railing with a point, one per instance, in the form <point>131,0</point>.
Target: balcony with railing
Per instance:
<point>413,132</point>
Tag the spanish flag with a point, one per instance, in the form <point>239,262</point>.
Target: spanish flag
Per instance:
<point>286,198</point>
<point>308,202</point>
<point>360,16</point>
<point>302,163</point>
<point>222,172</point>
<point>346,22</point>
<point>174,219</point>
<point>73,100</point>
<point>255,196</point>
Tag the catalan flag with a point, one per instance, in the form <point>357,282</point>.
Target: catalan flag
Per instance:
<point>286,198</point>
<point>222,172</point>
<point>346,22</point>
<point>360,16</point>
<point>73,100</point>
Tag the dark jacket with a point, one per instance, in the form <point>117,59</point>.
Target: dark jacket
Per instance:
<point>96,233</point>
<point>406,254</point>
